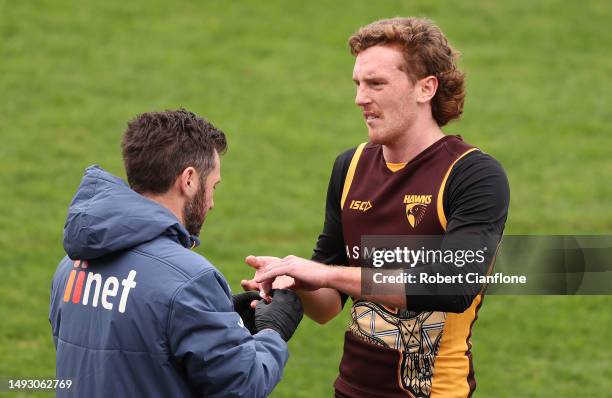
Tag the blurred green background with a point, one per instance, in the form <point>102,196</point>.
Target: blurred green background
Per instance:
<point>276,77</point>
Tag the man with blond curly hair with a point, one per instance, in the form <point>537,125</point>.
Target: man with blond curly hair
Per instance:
<point>409,179</point>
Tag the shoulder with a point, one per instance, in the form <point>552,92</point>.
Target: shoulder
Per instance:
<point>174,258</point>
<point>340,169</point>
<point>344,158</point>
<point>184,274</point>
<point>208,289</point>
<point>477,190</point>
<point>477,164</point>
<point>61,273</point>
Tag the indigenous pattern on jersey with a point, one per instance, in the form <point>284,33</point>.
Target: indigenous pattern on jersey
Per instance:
<point>390,352</point>
<point>416,335</point>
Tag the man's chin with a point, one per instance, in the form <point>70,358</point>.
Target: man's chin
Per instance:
<point>195,230</point>
<point>194,233</point>
<point>375,137</point>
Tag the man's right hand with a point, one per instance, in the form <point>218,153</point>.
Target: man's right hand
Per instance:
<point>259,263</point>
<point>306,274</point>
<point>283,314</point>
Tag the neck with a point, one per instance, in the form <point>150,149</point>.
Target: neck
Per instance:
<point>169,201</point>
<point>406,147</point>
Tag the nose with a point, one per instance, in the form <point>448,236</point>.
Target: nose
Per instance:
<point>362,98</point>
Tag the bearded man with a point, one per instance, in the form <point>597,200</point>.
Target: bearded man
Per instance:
<point>134,311</point>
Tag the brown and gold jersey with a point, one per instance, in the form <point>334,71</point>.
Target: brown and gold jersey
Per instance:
<point>413,352</point>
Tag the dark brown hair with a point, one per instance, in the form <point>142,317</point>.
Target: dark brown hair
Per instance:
<point>426,52</point>
<point>158,146</point>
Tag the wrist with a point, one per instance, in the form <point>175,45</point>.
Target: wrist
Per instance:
<point>329,275</point>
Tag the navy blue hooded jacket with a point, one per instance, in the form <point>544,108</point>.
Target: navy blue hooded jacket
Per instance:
<point>144,315</point>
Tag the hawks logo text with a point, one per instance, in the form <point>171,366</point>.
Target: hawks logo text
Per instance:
<point>416,205</point>
<point>81,288</point>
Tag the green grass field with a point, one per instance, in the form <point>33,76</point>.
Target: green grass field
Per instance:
<point>276,77</point>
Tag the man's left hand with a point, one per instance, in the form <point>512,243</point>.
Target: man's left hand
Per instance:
<point>242,305</point>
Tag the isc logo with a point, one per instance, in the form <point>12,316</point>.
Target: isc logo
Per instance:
<point>360,205</point>
<point>109,289</point>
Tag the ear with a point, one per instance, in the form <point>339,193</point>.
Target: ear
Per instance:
<point>188,182</point>
<point>426,88</point>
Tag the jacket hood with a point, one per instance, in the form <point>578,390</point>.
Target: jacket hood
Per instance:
<point>106,216</point>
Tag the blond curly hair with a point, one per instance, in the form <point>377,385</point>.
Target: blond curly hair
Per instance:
<point>426,52</point>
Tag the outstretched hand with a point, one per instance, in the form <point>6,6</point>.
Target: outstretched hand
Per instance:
<point>306,274</point>
<point>259,263</point>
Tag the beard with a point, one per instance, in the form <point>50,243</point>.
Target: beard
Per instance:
<point>195,211</point>
<point>384,136</point>
<point>388,133</point>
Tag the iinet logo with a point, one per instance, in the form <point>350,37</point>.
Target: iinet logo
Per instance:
<point>109,289</point>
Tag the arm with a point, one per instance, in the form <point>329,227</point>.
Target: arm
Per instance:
<point>320,304</point>
<point>219,356</point>
<point>324,304</point>
<point>476,201</point>
<point>320,279</point>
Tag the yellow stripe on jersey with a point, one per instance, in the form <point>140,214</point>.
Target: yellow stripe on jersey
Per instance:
<point>450,379</point>
<point>452,367</point>
<point>440,202</point>
<point>351,173</point>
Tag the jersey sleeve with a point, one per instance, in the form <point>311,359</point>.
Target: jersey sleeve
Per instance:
<point>329,248</point>
<point>476,200</point>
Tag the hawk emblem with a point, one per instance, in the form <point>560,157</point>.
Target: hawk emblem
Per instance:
<point>415,213</point>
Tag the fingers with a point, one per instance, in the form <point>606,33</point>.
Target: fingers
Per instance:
<point>253,262</point>
<point>269,275</point>
<point>260,261</point>
<point>248,285</point>
<point>266,287</point>
<point>283,282</point>
<point>261,265</point>
<point>262,288</point>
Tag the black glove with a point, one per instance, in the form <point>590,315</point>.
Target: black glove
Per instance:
<point>242,305</point>
<point>283,314</point>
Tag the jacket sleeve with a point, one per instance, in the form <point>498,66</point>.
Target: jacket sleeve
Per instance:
<point>217,353</point>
